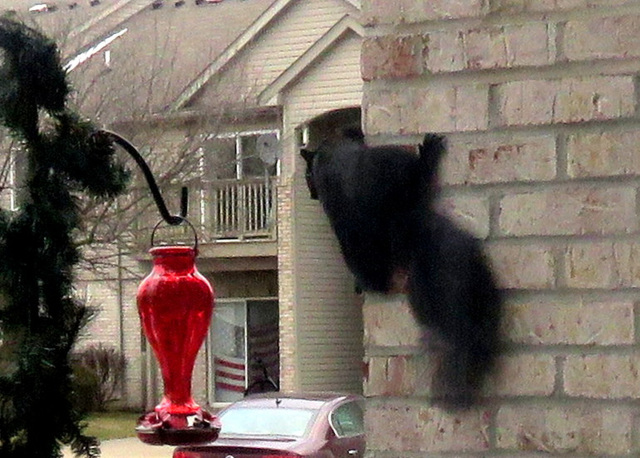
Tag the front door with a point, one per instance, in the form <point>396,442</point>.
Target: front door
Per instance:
<point>243,341</point>
<point>228,339</point>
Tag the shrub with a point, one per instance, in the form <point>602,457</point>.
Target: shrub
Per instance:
<point>109,367</point>
<point>86,387</point>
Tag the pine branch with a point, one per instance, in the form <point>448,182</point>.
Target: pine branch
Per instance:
<point>37,253</point>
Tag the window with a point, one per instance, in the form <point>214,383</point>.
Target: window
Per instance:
<point>348,420</point>
<point>241,332</point>
<point>219,156</point>
<point>237,202</point>
<point>252,154</point>
<point>284,422</point>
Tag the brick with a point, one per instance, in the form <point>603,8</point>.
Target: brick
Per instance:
<point>381,12</point>
<point>522,266</point>
<point>485,48</point>
<point>132,327</point>
<point>381,112</point>
<point>404,427</point>
<point>613,37</point>
<point>446,52</point>
<point>388,322</point>
<point>627,268</point>
<point>603,265</point>
<point>398,375</point>
<point>521,6</point>
<point>590,265</point>
<point>570,323</point>
<point>412,375</point>
<point>470,212</point>
<point>603,153</point>
<point>525,375</point>
<point>526,102</point>
<point>446,9</point>
<point>539,6</point>
<point>387,376</point>
<point>586,99</point>
<point>445,108</point>
<point>106,267</point>
<point>527,45</point>
<point>401,375</point>
<point>471,109</point>
<point>286,287</point>
<point>392,56</point>
<point>427,109</point>
<point>488,48</point>
<point>490,160</point>
<point>410,11</point>
<point>104,327</point>
<point>602,376</point>
<point>598,430</point>
<point>604,3</point>
<point>566,100</point>
<point>569,211</point>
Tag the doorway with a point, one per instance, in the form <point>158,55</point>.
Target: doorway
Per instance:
<point>243,339</point>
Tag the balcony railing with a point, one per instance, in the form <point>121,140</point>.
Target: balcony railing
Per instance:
<point>225,210</point>
<point>240,209</point>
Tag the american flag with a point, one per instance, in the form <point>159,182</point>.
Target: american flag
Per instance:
<point>230,365</point>
<point>264,345</point>
<point>230,374</point>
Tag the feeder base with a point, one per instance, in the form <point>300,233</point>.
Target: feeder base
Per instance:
<point>156,428</point>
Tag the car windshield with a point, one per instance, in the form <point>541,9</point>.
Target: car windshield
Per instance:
<point>266,422</point>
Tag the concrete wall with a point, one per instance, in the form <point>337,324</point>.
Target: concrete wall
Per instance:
<point>539,100</point>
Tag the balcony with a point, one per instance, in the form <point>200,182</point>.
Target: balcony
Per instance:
<point>233,219</point>
<point>239,210</point>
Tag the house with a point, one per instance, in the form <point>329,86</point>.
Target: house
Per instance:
<point>538,100</point>
<point>233,89</point>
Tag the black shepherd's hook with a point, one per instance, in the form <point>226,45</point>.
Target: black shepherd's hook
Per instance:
<point>173,220</point>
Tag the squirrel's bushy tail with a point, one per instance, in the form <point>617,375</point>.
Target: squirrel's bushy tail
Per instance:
<point>454,295</point>
<point>452,291</point>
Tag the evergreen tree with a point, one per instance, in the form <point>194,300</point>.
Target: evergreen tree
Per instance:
<point>39,316</point>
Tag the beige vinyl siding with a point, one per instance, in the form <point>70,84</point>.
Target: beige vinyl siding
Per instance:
<point>274,50</point>
<point>328,315</point>
<point>329,320</point>
<point>332,83</point>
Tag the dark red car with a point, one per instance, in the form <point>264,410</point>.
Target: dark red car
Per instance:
<point>274,425</point>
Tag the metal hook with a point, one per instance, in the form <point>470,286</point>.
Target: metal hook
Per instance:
<point>173,220</point>
<point>184,220</point>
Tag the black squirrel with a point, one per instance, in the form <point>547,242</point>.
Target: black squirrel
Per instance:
<point>380,203</point>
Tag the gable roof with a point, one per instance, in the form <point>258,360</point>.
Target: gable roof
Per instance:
<point>162,56</point>
<point>249,34</point>
<point>105,21</point>
<point>163,50</point>
<point>333,35</point>
<point>75,24</point>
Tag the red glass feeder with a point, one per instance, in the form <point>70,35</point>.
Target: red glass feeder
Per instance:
<point>175,303</point>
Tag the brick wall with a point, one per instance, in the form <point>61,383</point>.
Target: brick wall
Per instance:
<point>539,100</point>
<point>286,286</point>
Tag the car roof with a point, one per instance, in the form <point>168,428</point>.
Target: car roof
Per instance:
<point>312,400</point>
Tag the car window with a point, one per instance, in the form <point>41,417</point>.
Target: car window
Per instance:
<point>262,422</point>
<point>347,420</point>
